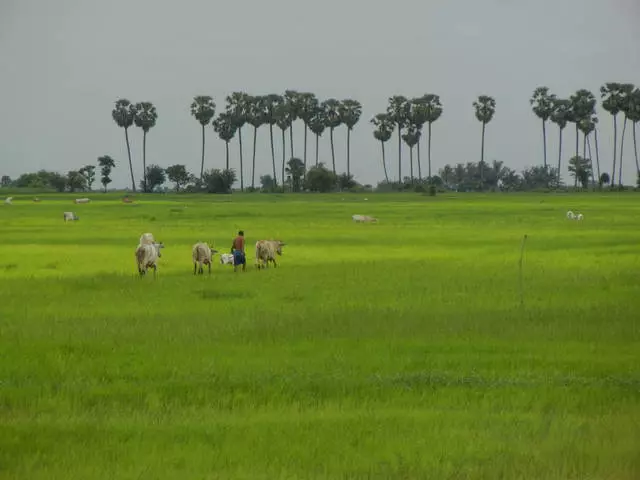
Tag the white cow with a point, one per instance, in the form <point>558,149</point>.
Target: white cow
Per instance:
<point>70,217</point>
<point>147,239</point>
<point>147,256</point>
<point>363,218</point>
<point>202,253</point>
<point>226,259</point>
<point>82,200</point>
<point>7,201</point>
<point>266,251</point>
<point>571,215</point>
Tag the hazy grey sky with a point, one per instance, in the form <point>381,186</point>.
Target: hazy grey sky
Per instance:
<point>65,62</point>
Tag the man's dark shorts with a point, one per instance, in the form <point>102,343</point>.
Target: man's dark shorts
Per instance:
<point>239,258</point>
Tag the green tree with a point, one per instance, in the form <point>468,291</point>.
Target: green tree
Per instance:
<point>155,177</point>
<point>384,129</point>
<point>283,121</point>
<point>612,102</point>
<point>331,108</point>
<point>203,108</point>
<point>350,112</point>
<point>76,181</point>
<point>219,181</point>
<point>145,118</point>
<point>411,138</point>
<point>256,117</point>
<point>398,110</point>
<point>267,183</point>
<point>295,168</point>
<point>308,104</point>
<point>124,114</point>
<point>580,169</point>
<point>106,164</point>
<point>89,173</point>
<point>485,109</point>
<point>543,106</point>
<point>320,179</point>
<point>237,104</point>
<point>5,181</point>
<point>317,125</point>
<point>560,116</point>
<point>178,174</point>
<point>225,127</point>
<point>429,111</point>
<point>583,107</point>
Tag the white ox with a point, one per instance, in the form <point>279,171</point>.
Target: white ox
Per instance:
<point>201,254</point>
<point>363,218</point>
<point>226,259</point>
<point>266,251</point>
<point>573,216</point>
<point>70,217</point>
<point>82,200</point>
<point>7,201</point>
<point>147,257</point>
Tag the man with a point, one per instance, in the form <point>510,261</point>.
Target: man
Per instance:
<point>237,248</point>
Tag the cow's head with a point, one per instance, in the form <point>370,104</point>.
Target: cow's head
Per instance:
<point>158,246</point>
<point>213,250</point>
<point>279,248</point>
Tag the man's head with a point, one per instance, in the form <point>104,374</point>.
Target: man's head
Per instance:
<point>241,233</point>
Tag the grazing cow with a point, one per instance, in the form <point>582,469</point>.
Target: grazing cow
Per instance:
<point>82,200</point>
<point>266,251</point>
<point>202,254</point>
<point>363,218</point>
<point>571,215</point>
<point>147,239</point>
<point>147,256</point>
<point>7,201</point>
<point>579,217</point>
<point>70,217</point>
<point>226,259</point>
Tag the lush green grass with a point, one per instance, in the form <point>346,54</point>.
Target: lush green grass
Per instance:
<point>396,350</point>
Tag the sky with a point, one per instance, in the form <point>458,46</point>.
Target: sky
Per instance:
<point>65,63</point>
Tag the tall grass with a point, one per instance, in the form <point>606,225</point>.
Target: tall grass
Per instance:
<point>391,350</point>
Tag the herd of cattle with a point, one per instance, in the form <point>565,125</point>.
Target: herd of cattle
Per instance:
<point>148,252</point>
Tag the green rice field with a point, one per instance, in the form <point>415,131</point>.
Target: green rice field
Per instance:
<point>414,348</point>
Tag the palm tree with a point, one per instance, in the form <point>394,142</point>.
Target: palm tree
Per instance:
<point>124,114</point>
<point>237,104</point>
<point>350,112</point>
<point>146,117</point>
<point>283,120</point>
<point>106,164</point>
<point>271,102</point>
<point>317,124</point>
<point>331,110</point>
<point>293,99</point>
<point>633,114</point>
<point>308,104</point>
<point>384,129</point>
<point>256,117</point>
<point>434,112</point>
<point>417,117</point>
<point>412,138</point>
<point>398,111</point>
<point>225,127</point>
<point>626,97</point>
<point>485,108</point>
<point>587,126</point>
<point>611,94</point>
<point>543,104</point>
<point>583,105</point>
<point>203,108</point>
<point>560,116</point>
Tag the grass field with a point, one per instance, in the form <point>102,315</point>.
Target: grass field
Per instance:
<point>391,350</point>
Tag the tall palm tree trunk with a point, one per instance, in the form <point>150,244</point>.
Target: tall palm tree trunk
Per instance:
<point>635,151</point>
<point>284,147</point>
<point>544,142</point>
<point>291,139</point>
<point>419,167</point>
<point>384,163</point>
<point>399,155</point>
<point>317,148</point>
<point>348,151</point>
<point>411,163</point>
<point>559,156</point>
<point>577,140</point>
<point>253,166</point>
<point>333,153</point>
<point>202,162</point>
<point>273,156</point>
<point>133,181</point>
<point>624,129</point>
<point>227,154</point>
<point>305,149</point>
<point>584,146</point>
<point>241,162</point>
<point>593,180</point>
<point>612,180</point>
<point>595,137</point>
<point>429,150</point>
<point>482,157</point>
<point>144,161</point>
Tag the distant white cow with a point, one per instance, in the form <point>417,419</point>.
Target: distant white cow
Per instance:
<point>147,239</point>
<point>202,253</point>
<point>82,200</point>
<point>226,259</point>
<point>571,215</point>
<point>147,257</point>
<point>266,251</point>
<point>363,218</point>
<point>579,217</point>
<point>7,201</point>
<point>70,217</point>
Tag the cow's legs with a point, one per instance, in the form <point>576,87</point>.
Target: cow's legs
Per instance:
<point>209,268</point>
<point>195,267</point>
<point>155,270</point>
